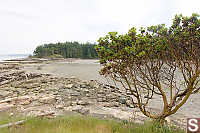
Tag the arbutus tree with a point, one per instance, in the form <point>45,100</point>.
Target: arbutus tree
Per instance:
<point>157,60</point>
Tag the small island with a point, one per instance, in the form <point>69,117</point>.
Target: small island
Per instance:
<point>66,50</point>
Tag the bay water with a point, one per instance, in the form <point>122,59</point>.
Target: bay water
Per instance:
<point>13,56</point>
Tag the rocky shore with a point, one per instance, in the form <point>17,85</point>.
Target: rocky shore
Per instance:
<point>42,94</point>
<point>34,94</point>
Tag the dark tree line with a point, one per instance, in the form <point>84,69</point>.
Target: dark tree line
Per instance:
<point>66,50</point>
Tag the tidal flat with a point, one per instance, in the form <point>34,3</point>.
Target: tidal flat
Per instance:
<point>59,87</point>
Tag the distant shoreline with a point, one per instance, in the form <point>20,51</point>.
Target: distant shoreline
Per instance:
<point>4,57</point>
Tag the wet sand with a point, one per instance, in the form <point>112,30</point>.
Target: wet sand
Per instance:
<point>82,69</point>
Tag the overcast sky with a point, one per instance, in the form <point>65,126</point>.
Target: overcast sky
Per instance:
<point>25,24</point>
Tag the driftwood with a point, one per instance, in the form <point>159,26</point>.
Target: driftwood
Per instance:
<point>23,121</point>
<point>46,114</point>
<point>12,124</point>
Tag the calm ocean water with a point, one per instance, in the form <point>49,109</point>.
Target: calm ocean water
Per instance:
<point>13,56</point>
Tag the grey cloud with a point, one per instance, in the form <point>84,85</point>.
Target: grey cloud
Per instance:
<point>27,23</point>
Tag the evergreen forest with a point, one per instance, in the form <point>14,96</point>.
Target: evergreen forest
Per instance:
<point>66,50</point>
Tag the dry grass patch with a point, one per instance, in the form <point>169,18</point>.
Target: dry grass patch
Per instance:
<point>80,124</point>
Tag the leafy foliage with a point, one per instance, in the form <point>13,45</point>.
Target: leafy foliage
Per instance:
<point>154,61</point>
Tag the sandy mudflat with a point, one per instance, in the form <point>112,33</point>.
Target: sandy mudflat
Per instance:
<point>88,70</point>
<point>82,69</point>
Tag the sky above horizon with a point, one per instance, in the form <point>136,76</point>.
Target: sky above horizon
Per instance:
<point>25,24</point>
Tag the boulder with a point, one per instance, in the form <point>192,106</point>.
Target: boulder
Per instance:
<point>84,103</point>
<point>47,99</point>
<point>122,100</point>
<point>4,93</point>
<point>25,102</point>
<point>129,103</point>
<point>59,106</point>
<point>80,109</point>
<point>101,99</point>
<point>69,86</point>
<point>112,104</point>
<point>84,111</point>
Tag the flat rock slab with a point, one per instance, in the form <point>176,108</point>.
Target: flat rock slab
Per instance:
<point>5,106</point>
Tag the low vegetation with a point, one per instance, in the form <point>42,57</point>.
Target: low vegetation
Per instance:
<point>66,50</point>
<point>80,124</point>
